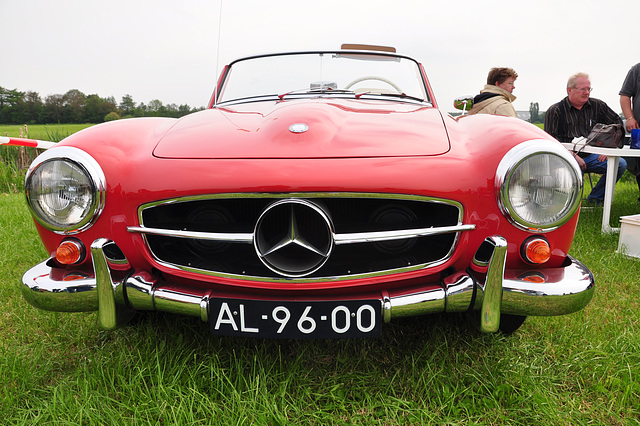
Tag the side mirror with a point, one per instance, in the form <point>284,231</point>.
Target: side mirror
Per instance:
<point>463,103</point>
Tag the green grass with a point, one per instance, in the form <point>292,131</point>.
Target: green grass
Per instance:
<point>584,368</point>
<point>576,369</point>
<point>47,132</point>
<point>15,160</point>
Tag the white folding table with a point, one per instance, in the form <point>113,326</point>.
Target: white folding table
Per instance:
<point>613,159</point>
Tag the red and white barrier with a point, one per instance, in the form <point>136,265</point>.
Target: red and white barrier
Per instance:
<point>31,143</point>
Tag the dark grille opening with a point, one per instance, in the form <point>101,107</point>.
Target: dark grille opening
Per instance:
<point>220,215</point>
<point>348,215</point>
<point>241,259</point>
<point>229,258</point>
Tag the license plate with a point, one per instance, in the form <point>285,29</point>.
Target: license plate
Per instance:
<point>295,320</point>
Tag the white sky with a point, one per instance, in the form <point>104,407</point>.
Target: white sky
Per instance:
<point>171,50</point>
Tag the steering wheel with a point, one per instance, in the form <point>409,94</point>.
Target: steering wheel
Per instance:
<point>374,77</point>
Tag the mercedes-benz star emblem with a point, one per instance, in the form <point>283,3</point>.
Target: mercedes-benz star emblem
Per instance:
<point>298,128</point>
<point>293,237</point>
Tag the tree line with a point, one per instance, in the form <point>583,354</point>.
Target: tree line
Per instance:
<point>17,107</point>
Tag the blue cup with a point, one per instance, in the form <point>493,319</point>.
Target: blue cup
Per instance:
<point>635,138</point>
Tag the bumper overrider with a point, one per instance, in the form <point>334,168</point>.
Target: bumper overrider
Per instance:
<point>117,291</point>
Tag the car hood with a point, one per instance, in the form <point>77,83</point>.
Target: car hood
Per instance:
<point>332,128</point>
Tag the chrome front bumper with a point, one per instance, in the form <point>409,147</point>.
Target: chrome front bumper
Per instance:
<point>116,292</point>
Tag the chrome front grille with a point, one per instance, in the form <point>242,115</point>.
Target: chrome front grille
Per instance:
<point>304,237</point>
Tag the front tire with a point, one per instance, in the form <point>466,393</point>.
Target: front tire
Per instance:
<point>508,322</point>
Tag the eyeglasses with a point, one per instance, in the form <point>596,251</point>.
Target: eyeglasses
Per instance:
<point>583,89</point>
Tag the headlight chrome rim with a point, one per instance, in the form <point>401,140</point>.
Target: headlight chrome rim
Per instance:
<point>515,158</point>
<point>88,166</point>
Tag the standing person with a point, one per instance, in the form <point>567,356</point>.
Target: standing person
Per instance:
<point>630,93</point>
<point>574,116</point>
<point>497,95</point>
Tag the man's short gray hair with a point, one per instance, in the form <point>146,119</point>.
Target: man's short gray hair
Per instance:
<point>574,79</point>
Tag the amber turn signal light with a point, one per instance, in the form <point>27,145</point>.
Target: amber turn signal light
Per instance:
<point>70,252</point>
<point>536,250</point>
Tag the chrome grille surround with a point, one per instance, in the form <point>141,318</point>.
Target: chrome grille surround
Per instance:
<point>328,236</point>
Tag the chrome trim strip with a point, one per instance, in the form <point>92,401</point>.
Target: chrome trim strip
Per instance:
<point>425,302</point>
<point>362,237</point>
<point>213,236</point>
<point>370,237</point>
<point>181,303</point>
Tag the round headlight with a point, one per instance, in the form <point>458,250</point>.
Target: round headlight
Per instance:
<point>65,190</point>
<point>540,185</point>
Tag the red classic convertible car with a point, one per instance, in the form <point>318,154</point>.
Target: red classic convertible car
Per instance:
<point>321,194</point>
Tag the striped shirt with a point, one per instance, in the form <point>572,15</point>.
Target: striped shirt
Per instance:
<point>564,122</point>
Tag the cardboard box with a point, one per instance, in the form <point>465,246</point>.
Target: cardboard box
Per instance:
<point>629,243</point>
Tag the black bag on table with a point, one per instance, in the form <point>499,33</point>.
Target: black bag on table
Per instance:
<point>606,136</point>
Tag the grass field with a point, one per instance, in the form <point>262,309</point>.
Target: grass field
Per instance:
<point>584,368</point>
<point>54,132</point>
<point>13,160</point>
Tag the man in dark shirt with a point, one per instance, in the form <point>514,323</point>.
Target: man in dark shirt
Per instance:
<point>630,104</point>
<point>575,116</point>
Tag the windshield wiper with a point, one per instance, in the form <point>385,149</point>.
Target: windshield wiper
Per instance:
<point>313,91</point>
<point>395,95</point>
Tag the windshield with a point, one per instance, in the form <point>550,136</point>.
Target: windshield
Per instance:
<point>357,73</point>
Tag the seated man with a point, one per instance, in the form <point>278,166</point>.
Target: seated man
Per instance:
<point>575,116</point>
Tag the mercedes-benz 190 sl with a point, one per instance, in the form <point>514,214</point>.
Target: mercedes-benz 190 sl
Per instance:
<point>321,194</point>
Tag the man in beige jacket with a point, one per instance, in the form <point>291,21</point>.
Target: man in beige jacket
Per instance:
<point>496,97</point>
